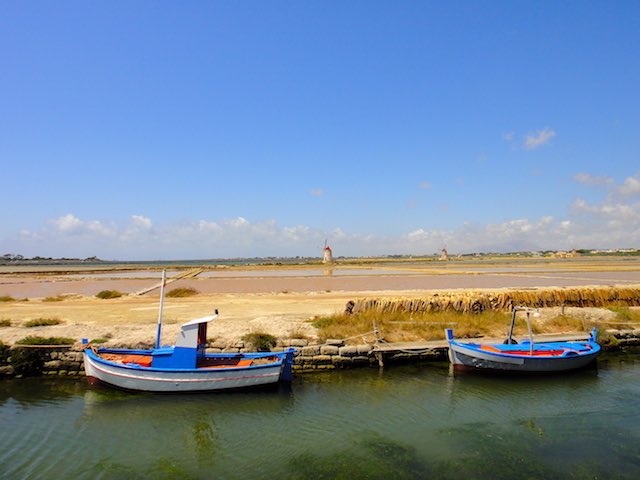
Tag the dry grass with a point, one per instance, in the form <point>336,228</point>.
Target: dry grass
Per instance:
<point>57,298</point>
<point>405,327</point>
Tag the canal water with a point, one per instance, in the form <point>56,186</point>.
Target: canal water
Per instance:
<point>404,422</point>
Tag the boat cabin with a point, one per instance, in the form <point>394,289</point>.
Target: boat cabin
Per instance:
<point>189,347</point>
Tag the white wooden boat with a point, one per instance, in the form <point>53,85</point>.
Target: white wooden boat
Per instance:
<point>186,367</point>
<point>527,356</point>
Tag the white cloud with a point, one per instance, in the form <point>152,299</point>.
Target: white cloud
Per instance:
<point>317,192</point>
<point>67,223</point>
<point>141,222</point>
<point>630,187</point>
<point>539,138</point>
<point>424,185</point>
<point>592,180</point>
<point>610,223</point>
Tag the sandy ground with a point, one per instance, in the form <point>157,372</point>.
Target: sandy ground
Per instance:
<point>258,301</point>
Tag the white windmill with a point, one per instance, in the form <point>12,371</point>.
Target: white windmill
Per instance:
<point>327,254</point>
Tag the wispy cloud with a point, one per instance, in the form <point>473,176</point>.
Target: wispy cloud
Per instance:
<point>317,192</point>
<point>592,180</point>
<point>537,139</point>
<point>424,185</point>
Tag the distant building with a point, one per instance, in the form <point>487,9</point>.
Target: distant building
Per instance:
<point>444,255</point>
<point>327,256</point>
<point>571,254</point>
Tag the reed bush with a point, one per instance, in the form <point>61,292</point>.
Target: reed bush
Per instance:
<point>182,292</point>
<point>5,322</point>
<point>108,294</point>
<point>259,341</point>
<point>7,298</point>
<point>42,322</point>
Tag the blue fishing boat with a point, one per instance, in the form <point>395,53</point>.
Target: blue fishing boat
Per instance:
<point>527,356</point>
<point>186,366</point>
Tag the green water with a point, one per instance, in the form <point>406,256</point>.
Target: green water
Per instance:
<point>418,421</point>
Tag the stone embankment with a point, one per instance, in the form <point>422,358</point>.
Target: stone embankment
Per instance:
<point>21,360</point>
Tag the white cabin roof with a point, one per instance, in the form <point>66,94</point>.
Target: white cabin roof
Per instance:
<point>196,321</point>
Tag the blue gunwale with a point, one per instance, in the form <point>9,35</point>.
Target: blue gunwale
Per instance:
<point>595,349</point>
<point>132,366</point>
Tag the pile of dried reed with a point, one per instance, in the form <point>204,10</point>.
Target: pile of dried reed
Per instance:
<point>479,301</point>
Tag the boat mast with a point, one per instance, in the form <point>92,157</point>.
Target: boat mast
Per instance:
<point>159,333</point>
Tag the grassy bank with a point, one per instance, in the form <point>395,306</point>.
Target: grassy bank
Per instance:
<point>402,326</point>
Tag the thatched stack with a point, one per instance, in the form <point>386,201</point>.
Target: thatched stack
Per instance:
<point>479,301</point>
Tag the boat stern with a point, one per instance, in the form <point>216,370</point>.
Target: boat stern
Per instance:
<point>286,374</point>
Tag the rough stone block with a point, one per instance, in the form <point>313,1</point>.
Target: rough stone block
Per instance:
<point>364,349</point>
<point>6,370</point>
<point>335,342</point>
<point>298,342</point>
<point>325,367</point>
<point>328,350</point>
<point>304,360</point>
<point>361,360</point>
<point>52,365</point>
<point>311,350</point>
<point>348,351</point>
<point>342,361</point>
<point>321,359</point>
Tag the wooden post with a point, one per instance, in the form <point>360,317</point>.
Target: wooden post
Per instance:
<point>376,334</point>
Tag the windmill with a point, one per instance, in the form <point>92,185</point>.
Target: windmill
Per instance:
<point>327,254</point>
<point>444,255</point>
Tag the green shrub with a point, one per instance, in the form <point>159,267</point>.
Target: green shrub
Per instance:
<point>99,340</point>
<point>34,340</point>
<point>58,298</point>
<point>27,361</point>
<point>5,323</point>
<point>4,352</point>
<point>42,322</point>
<point>107,294</point>
<point>7,298</point>
<point>261,342</point>
<point>182,292</point>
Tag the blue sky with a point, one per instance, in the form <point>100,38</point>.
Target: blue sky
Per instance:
<point>174,130</point>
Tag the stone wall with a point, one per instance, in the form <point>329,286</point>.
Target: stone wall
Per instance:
<point>67,360</point>
<point>28,361</point>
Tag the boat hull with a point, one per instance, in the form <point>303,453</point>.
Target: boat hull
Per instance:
<point>183,380</point>
<point>461,355</point>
